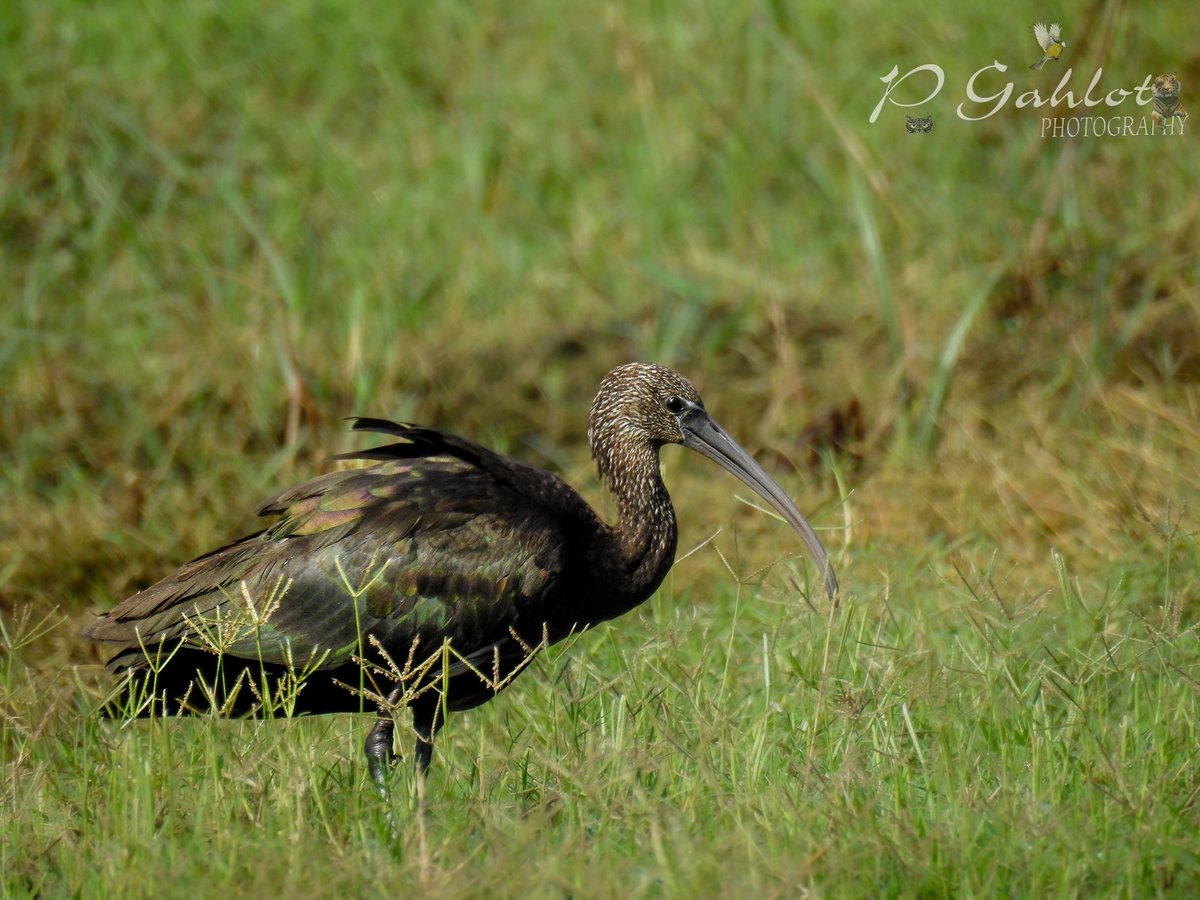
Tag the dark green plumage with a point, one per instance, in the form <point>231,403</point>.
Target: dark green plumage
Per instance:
<point>441,547</point>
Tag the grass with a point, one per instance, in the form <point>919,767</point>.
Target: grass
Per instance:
<point>972,356</point>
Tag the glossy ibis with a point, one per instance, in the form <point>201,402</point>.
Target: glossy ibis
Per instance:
<point>429,578</point>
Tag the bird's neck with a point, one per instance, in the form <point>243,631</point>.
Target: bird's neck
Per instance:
<point>642,543</point>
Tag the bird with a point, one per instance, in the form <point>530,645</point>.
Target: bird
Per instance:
<point>1051,42</point>
<point>427,579</point>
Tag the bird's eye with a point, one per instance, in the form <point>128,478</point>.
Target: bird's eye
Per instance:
<point>675,405</point>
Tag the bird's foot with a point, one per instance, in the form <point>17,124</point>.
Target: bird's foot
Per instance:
<point>378,767</point>
<point>380,755</point>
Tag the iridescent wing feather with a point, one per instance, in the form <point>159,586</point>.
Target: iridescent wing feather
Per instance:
<point>440,538</point>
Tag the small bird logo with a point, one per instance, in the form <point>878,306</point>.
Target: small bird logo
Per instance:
<point>1051,42</point>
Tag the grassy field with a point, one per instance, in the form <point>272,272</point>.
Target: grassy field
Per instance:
<point>973,356</point>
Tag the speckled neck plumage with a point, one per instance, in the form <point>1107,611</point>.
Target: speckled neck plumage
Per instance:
<point>645,529</point>
<point>641,545</point>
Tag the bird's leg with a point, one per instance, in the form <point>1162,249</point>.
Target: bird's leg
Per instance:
<point>425,711</point>
<point>378,745</point>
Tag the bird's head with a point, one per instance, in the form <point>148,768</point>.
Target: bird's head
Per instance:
<point>641,403</point>
<point>641,406</point>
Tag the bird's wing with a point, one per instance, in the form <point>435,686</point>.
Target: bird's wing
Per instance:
<point>1042,34</point>
<point>1056,32</point>
<point>440,539</point>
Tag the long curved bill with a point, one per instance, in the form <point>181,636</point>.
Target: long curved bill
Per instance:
<point>702,434</point>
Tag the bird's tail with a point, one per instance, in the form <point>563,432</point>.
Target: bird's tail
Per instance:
<point>1038,65</point>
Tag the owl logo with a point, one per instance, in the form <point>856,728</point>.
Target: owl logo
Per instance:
<point>918,126</point>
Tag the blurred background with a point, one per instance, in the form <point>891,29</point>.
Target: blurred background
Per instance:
<point>226,228</point>
<point>972,355</point>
